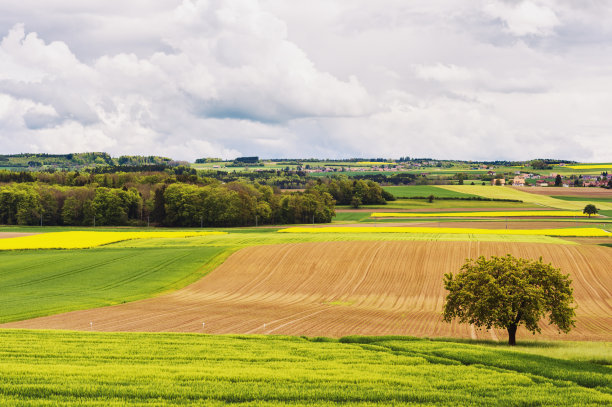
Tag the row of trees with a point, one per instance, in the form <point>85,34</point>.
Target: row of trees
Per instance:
<point>176,204</point>
<point>351,192</point>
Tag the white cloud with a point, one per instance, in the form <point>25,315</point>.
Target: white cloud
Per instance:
<point>525,17</point>
<point>484,79</point>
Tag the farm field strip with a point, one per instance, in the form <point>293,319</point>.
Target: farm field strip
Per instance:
<point>590,167</point>
<point>585,193</point>
<point>37,283</point>
<point>579,232</point>
<point>57,368</point>
<point>481,214</point>
<point>272,237</point>
<point>425,191</point>
<point>84,240</point>
<point>523,195</point>
<point>341,288</point>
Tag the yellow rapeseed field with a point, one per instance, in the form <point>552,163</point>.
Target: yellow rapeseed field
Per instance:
<point>84,240</point>
<point>581,232</point>
<point>374,163</point>
<point>482,214</point>
<point>590,166</point>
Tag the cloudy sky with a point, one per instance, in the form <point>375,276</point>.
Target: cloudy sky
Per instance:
<point>479,79</point>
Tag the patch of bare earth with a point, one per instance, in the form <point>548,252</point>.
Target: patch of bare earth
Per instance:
<point>8,235</point>
<point>341,288</point>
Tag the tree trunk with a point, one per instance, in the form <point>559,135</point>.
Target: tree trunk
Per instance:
<point>512,335</point>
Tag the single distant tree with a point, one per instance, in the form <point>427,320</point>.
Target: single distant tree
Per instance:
<point>558,181</point>
<point>430,198</point>
<point>590,209</point>
<point>505,292</point>
<point>498,182</point>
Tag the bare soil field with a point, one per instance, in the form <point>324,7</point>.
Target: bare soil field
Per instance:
<point>343,288</point>
<point>7,235</point>
<point>560,191</point>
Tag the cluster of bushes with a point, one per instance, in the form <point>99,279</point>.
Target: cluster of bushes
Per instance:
<point>174,204</point>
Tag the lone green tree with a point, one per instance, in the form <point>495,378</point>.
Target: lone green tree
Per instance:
<point>590,209</point>
<point>506,292</point>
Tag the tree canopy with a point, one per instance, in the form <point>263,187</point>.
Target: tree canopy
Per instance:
<point>590,209</point>
<point>506,292</point>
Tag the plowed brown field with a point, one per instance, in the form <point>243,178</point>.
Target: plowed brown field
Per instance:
<point>342,288</point>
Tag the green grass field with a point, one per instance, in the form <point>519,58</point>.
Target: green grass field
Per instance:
<point>44,282</point>
<point>41,368</point>
<point>424,191</point>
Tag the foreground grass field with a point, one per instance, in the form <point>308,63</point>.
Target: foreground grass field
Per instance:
<point>41,368</point>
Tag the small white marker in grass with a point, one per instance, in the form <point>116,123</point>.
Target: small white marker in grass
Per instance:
<point>91,325</point>
<point>203,325</point>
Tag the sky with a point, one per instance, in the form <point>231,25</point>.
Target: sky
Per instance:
<point>469,80</point>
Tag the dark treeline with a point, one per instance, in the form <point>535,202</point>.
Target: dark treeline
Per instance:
<point>174,204</point>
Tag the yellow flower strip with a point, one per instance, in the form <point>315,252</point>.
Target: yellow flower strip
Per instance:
<point>84,240</point>
<point>371,163</point>
<point>589,167</point>
<point>482,214</point>
<point>582,232</point>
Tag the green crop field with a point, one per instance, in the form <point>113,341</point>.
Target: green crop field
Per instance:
<point>425,191</point>
<point>40,368</point>
<point>43,282</point>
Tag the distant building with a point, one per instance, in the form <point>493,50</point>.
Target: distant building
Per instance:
<point>518,181</point>
<point>498,181</point>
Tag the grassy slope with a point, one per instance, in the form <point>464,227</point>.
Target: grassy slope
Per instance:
<point>76,368</point>
<point>44,282</point>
